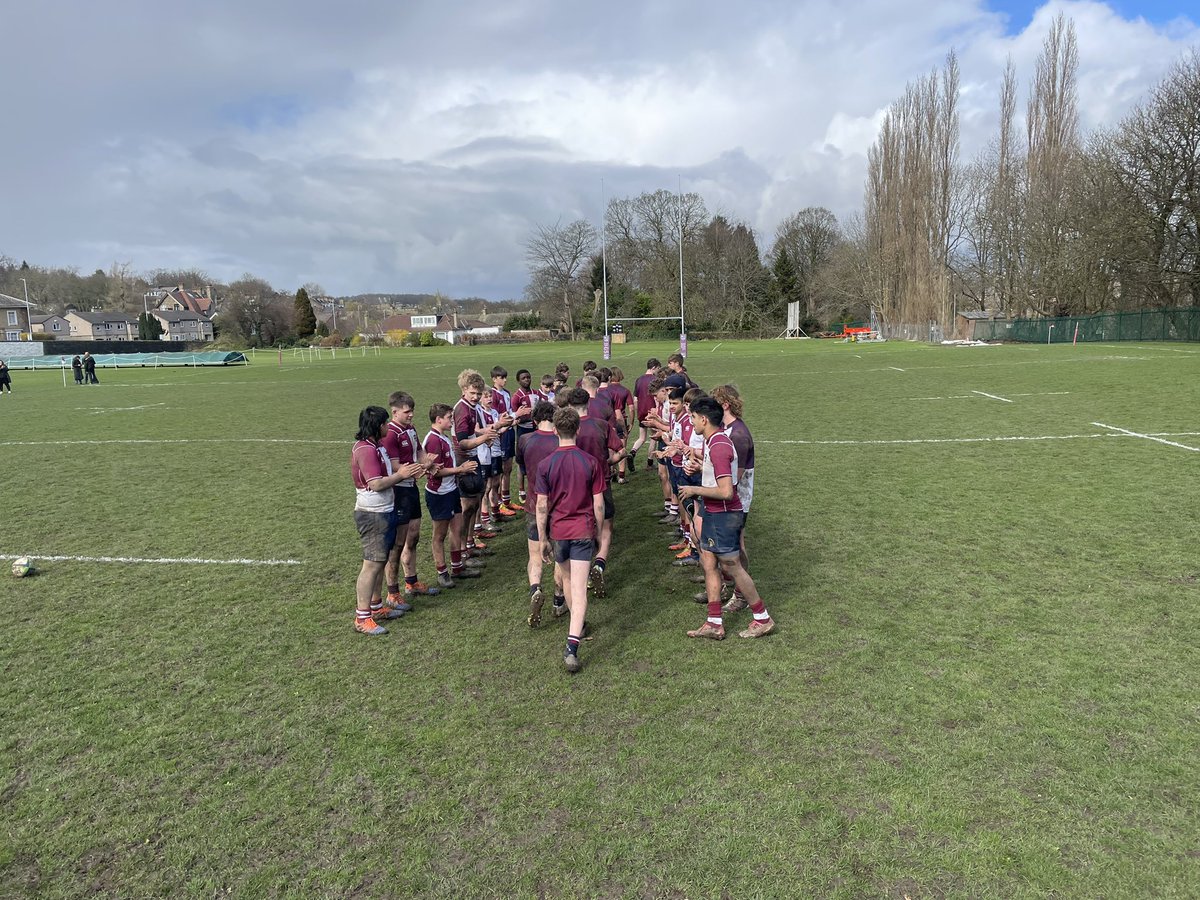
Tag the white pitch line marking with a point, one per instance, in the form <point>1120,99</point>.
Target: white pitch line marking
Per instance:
<point>96,410</point>
<point>993,396</point>
<point>714,349</point>
<point>896,368</point>
<point>971,397</point>
<point>135,559</point>
<point>1148,437</point>
<point>982,440</point>
<point>170,441</point>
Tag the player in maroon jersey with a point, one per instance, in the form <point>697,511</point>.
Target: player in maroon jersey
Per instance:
<point>532,448</point>
<point>374,516</point>
<point>570,507</point>
<point>404,450</point>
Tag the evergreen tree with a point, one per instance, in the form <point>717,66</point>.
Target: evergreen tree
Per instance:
<point>149,328</point>
<point>785,284</point>
<point>306,320</point>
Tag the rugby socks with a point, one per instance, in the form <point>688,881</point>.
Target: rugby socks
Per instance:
<point>533,589</point>
<point>573,644</point>
<point>758,609</point>
<point>394,589</point>
<point>362,614</point>
<point>714,613</point>
<point>673,508</point>
<point>456,559</point>
<point>560,600</point>
<point>376,606</point>
<point>409,580</point>
<point>599,562</point>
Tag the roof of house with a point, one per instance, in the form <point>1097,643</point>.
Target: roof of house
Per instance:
<point>7,302</point>
<point>101,317</point>
<point>404,323</point>
<point>980,314</point>
<point>197,303</point>
<point>175,316</point>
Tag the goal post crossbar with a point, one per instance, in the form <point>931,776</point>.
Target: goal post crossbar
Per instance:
<point>647,319</point>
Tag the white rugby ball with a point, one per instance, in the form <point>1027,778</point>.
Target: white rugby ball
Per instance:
<point>22,567</point>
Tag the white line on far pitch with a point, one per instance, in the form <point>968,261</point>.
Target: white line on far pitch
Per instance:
<point>895,368</point>
<point>135,559</point>
<point>992,396</point>
<point>971,397</point>
<point>1148,437</point>
<point>985,440</point>
<point>170,441</point>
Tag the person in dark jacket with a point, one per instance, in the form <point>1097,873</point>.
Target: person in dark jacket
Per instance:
<point>77,369</point>
<point>89,368</point>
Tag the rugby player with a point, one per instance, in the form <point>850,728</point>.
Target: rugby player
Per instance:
<point>404,450</point>
<point>532,448</point>
<point>374,505</point>
<point>723,524</point>
<point>442,497</point>
<point>570,507</point>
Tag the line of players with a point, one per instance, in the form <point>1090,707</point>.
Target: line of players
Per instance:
<point>570,444</point>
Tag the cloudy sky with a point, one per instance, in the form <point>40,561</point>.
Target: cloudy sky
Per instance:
<point>370,145</point>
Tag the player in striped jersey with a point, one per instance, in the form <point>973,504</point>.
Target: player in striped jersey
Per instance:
<point>724,520</point>
<point>404,450</point>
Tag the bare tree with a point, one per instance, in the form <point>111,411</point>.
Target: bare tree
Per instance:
<point>1155,156</point>
<point>810,237</point>
<point>556,255</point>
<point>1052,127</point>
<point>643,234</point>
<point>910,200</point>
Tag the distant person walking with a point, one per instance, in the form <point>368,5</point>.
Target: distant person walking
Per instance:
<point>5,378</point>
<point>89,368</point>
<point>77,369</point>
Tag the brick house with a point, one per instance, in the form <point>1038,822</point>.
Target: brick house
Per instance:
<point>101,326</point>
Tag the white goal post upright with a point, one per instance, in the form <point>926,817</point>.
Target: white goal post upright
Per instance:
<point>604,269</point>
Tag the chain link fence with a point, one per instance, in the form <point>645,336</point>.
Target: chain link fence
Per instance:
<point>1182,324</point>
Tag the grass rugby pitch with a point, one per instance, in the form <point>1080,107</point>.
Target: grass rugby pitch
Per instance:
<point>983,562</point>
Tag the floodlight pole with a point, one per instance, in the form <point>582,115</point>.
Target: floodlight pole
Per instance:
<point>28,309</point>
<point>604,265</point>
<point>682,329</point>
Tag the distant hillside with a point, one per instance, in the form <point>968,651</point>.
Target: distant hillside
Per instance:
<point>469,305</point>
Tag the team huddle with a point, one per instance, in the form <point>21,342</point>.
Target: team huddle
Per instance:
<point>570,445</point>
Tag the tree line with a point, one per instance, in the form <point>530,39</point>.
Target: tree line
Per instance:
<point>1048,222</point>
<point>728,284</point>
<point>1044,221</point>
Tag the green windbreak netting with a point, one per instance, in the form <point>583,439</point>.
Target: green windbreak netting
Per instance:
<point>1144,325</point>
<point>135,360</point>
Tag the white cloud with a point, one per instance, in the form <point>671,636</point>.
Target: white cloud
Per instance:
<point>410,147</point>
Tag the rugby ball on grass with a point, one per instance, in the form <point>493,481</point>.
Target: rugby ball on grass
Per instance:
<point>22,567</point>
